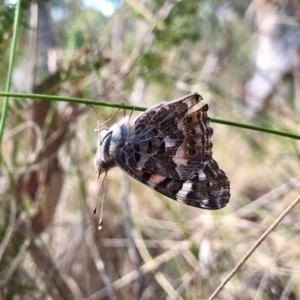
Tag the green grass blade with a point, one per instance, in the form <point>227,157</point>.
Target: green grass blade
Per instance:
<point>10,67</point>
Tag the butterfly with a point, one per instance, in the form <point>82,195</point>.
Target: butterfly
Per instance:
<point>169,149</point>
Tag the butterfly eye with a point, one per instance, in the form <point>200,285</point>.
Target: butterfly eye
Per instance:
<point>188,120</point>
<point>97,162</point>
<point>105,137</point>
<point>192,143</point>
<point>192,131</point>
<point>191,152</point>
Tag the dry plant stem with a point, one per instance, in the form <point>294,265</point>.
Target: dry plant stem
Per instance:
<point>144,38</point>
<point>18,129</point>
<point>15,263</point>
<point>10,227</point>
<point>33,45</point>
<point>117,243</point>
<point>267,274</point>
<point>296,74</point>
<point>254,247</point>
<point>289,286</point>
<point>44,262</point>
<point>39,255</point>
<point>186,281</point>
<point>30,277</point>
<point>159,276</point>
<point>132,249</point>
<point>99,264</point>
<point>91,245</point>
<point>271,196</point>
<point>149,266</point>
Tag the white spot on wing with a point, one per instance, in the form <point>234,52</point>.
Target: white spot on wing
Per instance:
<point>201,176</point>
<point>205,201</point>
<point>178,160</point>
<point>169,143</point>
<point>186,188</point>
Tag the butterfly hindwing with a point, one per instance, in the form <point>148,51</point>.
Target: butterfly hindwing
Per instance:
<point>207,190</point>
<point>169,149</point>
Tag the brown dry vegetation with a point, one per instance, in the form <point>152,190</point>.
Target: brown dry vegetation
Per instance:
<point>150,247</point>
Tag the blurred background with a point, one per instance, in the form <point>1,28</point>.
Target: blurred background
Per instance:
<point>243,57</point>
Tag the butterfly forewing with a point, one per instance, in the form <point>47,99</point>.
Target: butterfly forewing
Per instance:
<point>169,149</point>
<point>166,139</point>
<point>164,114</point>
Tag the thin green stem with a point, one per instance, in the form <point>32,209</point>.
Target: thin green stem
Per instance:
<point>256,128</point>
<point>72,100</point>
<point>10,67</point>
<point>137,108</point>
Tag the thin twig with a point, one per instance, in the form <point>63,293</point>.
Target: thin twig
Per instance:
<point>99,264</point>
<point>132,249</point>
<point>6,274</point>
<point>254,247</point>
<point>90,242</point>
<point>144,39</point>
<point>10,227</point>
<point>149,266</point>
<point>45,264</point>
<point>159,276</point>
<point>269,197</point>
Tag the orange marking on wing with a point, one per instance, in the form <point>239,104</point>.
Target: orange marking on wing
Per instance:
<point>157,178</point>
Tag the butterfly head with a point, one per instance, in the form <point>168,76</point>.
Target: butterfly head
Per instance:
<point>103,160</point>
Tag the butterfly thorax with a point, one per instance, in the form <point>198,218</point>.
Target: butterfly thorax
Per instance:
<point>109,143</point>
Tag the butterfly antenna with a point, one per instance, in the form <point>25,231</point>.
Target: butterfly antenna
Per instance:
<point>102,202</point>
<point>95,207</point>
<point>95,111</point>
<point>124,112</point>
<point>101,188</point>
<point>101,125</point>
<point>110,117</point>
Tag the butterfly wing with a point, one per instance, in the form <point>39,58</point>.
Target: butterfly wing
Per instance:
<point>169,149</point>
<point>208,189</point>
<point>170,140</point>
